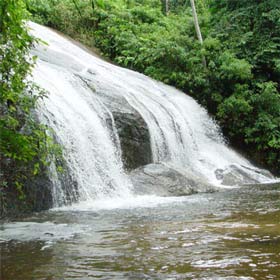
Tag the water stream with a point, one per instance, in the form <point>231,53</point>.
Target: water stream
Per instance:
<point>229,235</point>
<point>102,230</point>
<point>182,135</point>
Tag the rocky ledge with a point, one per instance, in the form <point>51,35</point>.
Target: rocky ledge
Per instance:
<point>160,179</point>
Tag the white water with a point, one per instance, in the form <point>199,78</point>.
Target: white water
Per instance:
<point>181,132</point>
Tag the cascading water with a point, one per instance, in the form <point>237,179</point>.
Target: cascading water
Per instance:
<point>79,122</point>
<point>182,134</point>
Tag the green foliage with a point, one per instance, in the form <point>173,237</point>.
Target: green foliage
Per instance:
<point>233,69</point>
<point>254,116</point>
<point>240,85</point>
<point>24,145</point>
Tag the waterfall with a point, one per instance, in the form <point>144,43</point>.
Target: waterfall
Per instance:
<point>182,135</point>
<point>79,122</point>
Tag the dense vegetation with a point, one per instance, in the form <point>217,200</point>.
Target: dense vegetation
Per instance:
<point>239,84</point>
<point>24,144</point>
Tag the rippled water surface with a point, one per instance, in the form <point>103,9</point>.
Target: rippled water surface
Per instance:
<point>234,234</point>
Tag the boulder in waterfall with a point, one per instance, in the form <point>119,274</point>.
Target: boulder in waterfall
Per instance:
<point>160,179</point>
<point>134,138</point>
<point>131,128</point>
<point>235,175</point>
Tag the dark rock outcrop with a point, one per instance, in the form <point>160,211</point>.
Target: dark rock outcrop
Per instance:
<point>131,128</point>
<point>37,197</point>
<point>135,141</point>
<point>159,179</point>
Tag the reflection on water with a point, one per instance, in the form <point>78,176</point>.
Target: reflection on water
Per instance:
<point>234,234</point>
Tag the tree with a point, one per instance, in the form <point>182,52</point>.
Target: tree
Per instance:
<point>197,29</point>
<point>24,145</point>
<point>196,24</point>
<point>166,7</point>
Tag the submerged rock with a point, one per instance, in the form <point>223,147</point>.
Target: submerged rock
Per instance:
<point>160,179</point>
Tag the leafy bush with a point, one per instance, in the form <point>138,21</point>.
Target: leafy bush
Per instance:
<point>24,145</point>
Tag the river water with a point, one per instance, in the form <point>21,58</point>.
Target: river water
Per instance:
<point>233,234</point>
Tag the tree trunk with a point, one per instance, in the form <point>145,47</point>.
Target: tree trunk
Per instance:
<point>166,7</point>
<point>196,24</point>
<point>197,29</point>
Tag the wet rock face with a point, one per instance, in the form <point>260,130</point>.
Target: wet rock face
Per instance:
<point>159,179</point>
<point>131,128</point>
<point>134,140</point>
<point>240,175</point>
<point>39,193</point>
<point>38,196</point>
